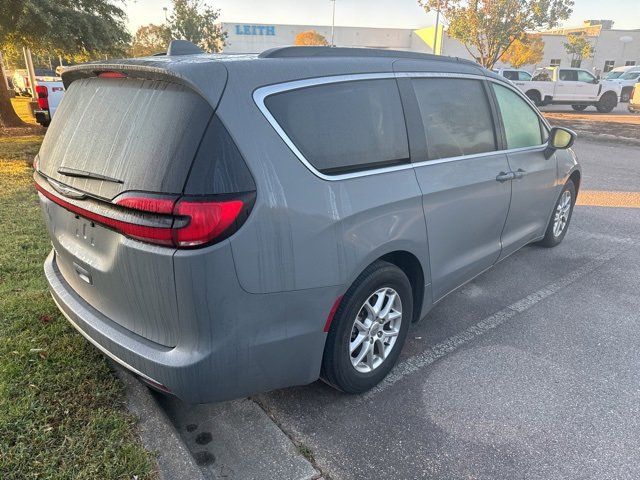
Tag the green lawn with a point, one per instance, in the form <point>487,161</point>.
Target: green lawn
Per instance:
<point>62,414</point>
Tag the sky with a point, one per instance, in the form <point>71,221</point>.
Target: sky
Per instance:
<point>363,13</point>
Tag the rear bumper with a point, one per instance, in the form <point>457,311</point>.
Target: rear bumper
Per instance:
<point>203,368</point>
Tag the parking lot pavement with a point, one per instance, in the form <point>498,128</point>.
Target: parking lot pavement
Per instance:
<point>532,370</point>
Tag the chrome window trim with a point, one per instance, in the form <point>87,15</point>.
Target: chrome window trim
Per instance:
<point>260,95</point>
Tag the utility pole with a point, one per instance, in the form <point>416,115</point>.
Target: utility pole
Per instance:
<point>435,40</point>
<point>333,22</point>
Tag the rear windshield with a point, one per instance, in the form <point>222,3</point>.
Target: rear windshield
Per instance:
<point>113,135</point>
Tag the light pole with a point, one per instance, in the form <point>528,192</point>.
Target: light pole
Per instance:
<point>435,39</point>
<point>164,9</point>
<point>333,21</point>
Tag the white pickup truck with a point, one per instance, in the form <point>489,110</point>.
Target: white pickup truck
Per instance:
<point>571,86</point>
<point>50,91</point>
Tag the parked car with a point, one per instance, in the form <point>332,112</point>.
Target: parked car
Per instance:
<point>627,81</point>
<point>223,226</point>
<point>617,72</point>
<point>634,100</point>
<point>21,82</point>
<point>571,86</point>
<point>513,74</point>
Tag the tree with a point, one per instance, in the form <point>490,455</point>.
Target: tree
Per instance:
<point>150,39</point>
<point>195,21</point>
<point>310,37</point>
<point>487,28</point>
<point>579,47</point>
<point>85,28</point>
<point>527,51</point>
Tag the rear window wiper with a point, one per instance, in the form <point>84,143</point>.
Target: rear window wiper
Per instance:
<point>72,172</point>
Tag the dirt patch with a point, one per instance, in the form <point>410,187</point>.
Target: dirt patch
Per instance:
<point>621,127</point>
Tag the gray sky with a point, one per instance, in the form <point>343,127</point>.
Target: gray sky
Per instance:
<point>365,13</point>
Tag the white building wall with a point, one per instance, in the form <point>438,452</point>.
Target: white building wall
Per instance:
<point>255,38</point>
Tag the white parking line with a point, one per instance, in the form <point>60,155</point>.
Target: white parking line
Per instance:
<point>426,358</point>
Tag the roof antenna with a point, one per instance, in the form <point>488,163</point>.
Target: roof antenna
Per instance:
<point>183,47</point>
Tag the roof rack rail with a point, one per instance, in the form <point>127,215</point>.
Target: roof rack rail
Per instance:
<point>310,51</point>
<point>183,47</point>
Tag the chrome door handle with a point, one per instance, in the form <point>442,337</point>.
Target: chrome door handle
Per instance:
<point>504,176</point>
<point>519,174</point>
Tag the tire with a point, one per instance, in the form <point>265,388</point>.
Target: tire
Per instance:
<point>534,97</point>
<point>579,108</point>
<point>345,342</point>
<point>607,102</point>
<point>553,236</point>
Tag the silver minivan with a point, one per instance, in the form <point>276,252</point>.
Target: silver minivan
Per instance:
<point>229,224</point>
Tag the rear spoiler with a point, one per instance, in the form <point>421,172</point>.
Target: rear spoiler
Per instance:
<point>204,74</point>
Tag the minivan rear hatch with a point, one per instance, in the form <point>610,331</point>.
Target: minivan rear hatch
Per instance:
<point>119,132</point>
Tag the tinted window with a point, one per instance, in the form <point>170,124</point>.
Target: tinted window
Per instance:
<point>456,116</point>
<point>347,126</point>
<point>524,76</point>
<point>585,77</point>
<point>568,75</point>
<point>521,123</point>
<point>510,74</point>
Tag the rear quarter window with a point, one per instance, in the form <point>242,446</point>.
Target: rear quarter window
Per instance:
<point>344,127</point>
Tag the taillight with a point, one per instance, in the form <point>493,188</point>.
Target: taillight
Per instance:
<point>111,75</point>
<point>176,222</point>
<point>43,97</point>
<point>203,220</point>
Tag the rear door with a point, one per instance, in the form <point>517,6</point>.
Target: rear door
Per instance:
<point>533,190</point>
<point>111,137</point>
<point>463,179</point>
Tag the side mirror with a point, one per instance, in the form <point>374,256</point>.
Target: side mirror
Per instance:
<point>561,138</point>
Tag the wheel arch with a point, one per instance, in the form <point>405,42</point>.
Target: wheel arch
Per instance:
<point>409,263</point>
<point>575,177</point>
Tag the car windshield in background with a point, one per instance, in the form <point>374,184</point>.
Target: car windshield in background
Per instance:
<point>612,75</point>
<point>630,76</point>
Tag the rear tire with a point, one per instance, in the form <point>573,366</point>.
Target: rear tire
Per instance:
<point>607,102</point>
<point>362,346</point>
<point>561,216</point>
<point>579,108</point>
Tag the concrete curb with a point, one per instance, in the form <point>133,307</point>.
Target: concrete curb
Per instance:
<point>157,432</point>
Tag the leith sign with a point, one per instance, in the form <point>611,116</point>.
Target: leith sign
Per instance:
<point>255,30</point>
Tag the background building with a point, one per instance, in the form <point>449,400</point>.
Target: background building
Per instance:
<point>612,48</point>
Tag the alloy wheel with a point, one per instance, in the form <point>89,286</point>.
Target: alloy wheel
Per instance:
<point>375,330</point>
<point>561,216</point>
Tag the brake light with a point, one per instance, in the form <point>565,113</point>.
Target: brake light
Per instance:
<point>207,220</point>
<point>111,75</point>
<point>180,223</point>
<point>43,97</point>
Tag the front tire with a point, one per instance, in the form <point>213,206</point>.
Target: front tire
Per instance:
<point>534,97</point>
<point>369,329</point>
<point>559,221</point>
<point>579,108</point>
<point>608,102</point>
